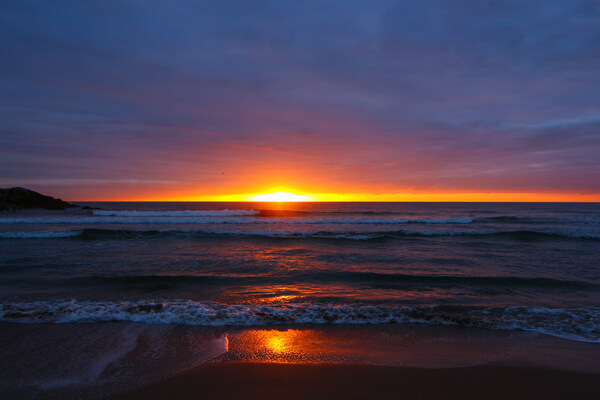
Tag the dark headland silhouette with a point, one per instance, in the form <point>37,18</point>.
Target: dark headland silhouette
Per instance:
<point>17,198</point>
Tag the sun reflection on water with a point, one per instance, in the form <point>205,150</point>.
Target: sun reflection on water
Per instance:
<point>290,345</point>
<point>278,299</point>
<point>277,341</point>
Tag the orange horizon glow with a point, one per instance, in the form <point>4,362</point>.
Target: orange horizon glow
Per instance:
<point>281,197</point>
<point>289,195</point>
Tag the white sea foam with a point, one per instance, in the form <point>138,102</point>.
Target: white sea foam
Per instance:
<point>39,235</point>
<point>449,233</point>
<point>582,324</point>
<point>228,220</point>
<point>211,213</point>
<point>285,232</point>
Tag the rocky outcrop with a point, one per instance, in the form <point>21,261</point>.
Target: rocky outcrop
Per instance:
<point>17,198</point>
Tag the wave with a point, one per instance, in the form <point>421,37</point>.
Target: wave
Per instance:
<point>187,213</point>
<point>509,219</point>
<point>114,234</point>
<point>39,235</point>
<point>287,213</point>
<point>362,278</point>
<point>303,213</point>
<point>581,324</point>
<point>262,212</point>
<point>517,235</point>
<point>510,281</point>
<point>228,220</point>
<point>585,220</point>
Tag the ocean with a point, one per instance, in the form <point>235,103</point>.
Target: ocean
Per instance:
<point>89,297</point>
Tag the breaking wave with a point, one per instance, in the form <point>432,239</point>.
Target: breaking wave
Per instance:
<point>39,234</point>
<point>218,213</point>
<point>363,278</point>
<point>195,219</point>
<point>509,219</point>
<point>581,324</point>
<point>109,234</point>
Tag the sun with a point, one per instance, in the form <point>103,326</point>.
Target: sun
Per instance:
<point>280,197</point>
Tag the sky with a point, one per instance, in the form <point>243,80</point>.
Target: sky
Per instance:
<point>344,100</point>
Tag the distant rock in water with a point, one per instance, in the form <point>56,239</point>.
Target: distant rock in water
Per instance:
<point>16,198</point>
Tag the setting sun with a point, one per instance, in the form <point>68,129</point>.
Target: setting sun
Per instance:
<point>280,197</point>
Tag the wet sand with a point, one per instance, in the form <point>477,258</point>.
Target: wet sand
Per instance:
<point>87,361</point>
<point>409,362</point>
<point>251,380</point>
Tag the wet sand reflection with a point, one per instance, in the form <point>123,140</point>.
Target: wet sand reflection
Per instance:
<point>411,346</point>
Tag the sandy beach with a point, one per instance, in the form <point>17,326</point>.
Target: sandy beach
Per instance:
<point>414,363</point>
<point>144,361</point>
<point>248,380</point>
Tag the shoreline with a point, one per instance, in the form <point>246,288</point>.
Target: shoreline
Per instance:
<point>255,380</point>
<point>416,363</point>
<point>132,360</point>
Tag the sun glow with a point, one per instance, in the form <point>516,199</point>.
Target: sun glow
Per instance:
<point>280,197</point>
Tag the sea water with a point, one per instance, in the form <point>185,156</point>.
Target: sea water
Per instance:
<point>504,267</point>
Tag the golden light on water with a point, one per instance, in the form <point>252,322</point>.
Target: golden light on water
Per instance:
<point>277,342</point>
<point>273,345</point>
<point>278,345</point>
